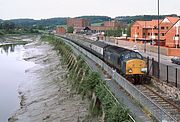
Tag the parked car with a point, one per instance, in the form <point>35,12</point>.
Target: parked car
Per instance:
<point>176,60</point>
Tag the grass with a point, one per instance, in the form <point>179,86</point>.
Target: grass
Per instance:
<point>97,24</point>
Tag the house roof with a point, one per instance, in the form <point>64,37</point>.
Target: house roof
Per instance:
<point>148,24</point>
<point>173,20</point>
<point>100,44</point>
<point>153,23</point>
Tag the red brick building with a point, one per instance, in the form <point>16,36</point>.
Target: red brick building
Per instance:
<point>107,25</point>
<point>114,24</point>
<point>172,35</point>
<point>60,30</point>
<point>77,22</point>
<point>148,31</point>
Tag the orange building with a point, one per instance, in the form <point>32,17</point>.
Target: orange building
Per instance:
<point>148,31</point>
<point>60,30</point>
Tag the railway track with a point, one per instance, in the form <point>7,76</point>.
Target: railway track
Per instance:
<point>165,110</point>
<point>171,108</point>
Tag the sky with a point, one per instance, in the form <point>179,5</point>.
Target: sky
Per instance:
<point>42,9</point>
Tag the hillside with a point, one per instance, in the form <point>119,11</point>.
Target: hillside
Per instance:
<point>52,22</point>
<point>130,19</point>
<point>96,19</point>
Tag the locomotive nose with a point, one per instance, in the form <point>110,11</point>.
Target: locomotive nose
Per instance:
<point>136,66</point>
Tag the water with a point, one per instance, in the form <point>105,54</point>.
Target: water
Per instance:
<point>12,73</point>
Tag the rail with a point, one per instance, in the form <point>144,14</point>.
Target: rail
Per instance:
<point>159,113</point>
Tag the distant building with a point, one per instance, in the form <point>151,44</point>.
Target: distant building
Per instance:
<point>148,31</point>
<point>113,23</point>
<point>77,22</point>
<point>107,25</point>
<point>60,30</point>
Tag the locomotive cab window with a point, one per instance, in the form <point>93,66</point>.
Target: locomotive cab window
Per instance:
<point>136,55</point>
<point>139,56</point>
<point>132,55</point>
<point>127,56</point>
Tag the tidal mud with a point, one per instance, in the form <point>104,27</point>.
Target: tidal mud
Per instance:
<point>46,95</point>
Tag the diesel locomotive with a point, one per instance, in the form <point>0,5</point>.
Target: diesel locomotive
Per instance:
<point>127,62</point>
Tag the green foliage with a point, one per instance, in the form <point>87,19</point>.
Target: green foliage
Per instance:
<point>29,23</point>
<point>86,82</point>
<point>96,19</point>
<point>117,114</point>
<point>97,24</point>
<point>70,29</point>
<point>114,111</point>
<point>1,33</point>
<point>115,33</point>
<point>90,82</point>
<point>129,30</point>
<point>129,19</point>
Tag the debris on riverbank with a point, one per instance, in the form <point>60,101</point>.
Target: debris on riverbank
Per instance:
<point>46,95</point>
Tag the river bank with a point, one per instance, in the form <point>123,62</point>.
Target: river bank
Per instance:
<point>19,39</point>
<point>46,95</point>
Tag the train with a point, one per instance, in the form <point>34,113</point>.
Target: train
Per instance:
<point>128,63</point>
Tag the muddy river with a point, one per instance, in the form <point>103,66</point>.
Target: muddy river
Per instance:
<point>12,73</point>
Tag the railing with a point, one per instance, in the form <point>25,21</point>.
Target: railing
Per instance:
<point>159,113</point>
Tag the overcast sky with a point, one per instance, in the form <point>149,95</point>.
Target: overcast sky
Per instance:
<point>41,9</point>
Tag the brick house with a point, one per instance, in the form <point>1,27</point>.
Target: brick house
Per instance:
<point>107,25</point>
<point>173,33</point>
<point>77,22</point>
<point>148,31</point>
<point>60,30</point>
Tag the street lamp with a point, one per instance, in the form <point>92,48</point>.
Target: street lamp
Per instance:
<point>145,38</point>
<point>135,36</point>
<point>158,44</point>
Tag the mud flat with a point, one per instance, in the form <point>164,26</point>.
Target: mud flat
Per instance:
<point>46,95</point>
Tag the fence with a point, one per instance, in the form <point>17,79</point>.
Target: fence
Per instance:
<point>159,113</point>
<point>168,74</point>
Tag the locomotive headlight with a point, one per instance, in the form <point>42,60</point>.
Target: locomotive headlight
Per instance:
<point>130,70</point>
<point>144,70</point>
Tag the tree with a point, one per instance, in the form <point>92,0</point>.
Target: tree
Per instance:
<point>70,29</point>
<point>7,25</point>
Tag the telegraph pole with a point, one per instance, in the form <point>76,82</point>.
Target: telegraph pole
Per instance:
<point>158,44</point>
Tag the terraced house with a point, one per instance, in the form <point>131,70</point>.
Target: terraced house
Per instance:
<point>148,31</point>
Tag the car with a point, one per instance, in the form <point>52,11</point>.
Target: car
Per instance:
<point>176,60</point>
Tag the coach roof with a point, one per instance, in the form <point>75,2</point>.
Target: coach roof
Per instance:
<point>100,44</point>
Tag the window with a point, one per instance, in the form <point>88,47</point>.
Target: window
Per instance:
<point>138,27</point>
<point>162,28</point>
<point>162,34</point>
<point>127,56</point>
<point>148,34</point>
<point>133,55</point>
<point>144,34</point>
<point>156,34</point>
<point>139,56</point>
<point>167,28</point>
